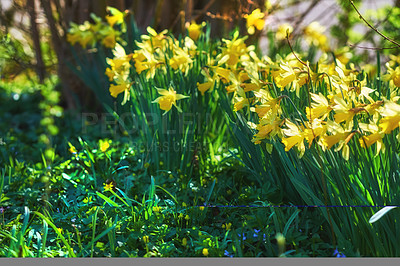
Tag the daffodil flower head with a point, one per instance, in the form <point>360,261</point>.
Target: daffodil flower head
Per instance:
<point>116,17</point>
<point>282,30</point>
<point>194,30</point>
<point>168,98</point>
<point>255,20</point>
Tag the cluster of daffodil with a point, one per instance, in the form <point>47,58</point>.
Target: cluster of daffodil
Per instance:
<point>88,34</point>
<point>156,52</point>
<point>339,106</point>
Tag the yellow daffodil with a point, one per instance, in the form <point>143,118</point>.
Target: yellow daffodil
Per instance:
<point>194,30</point>
<point>320,108</point>
<point>339,135</point>
<point>391,117</point>
<point>234,49</point>
<point>314,35</point>
<point>295,137</point>
<point>282,31</point>
<point>116,17</point>
<point>393,75</point>
<point>254,21</point>
<point>168,98</point>
<point>344,111</point>
<point>109,37</point>
<point>116,89</point>
<point>376,136</point>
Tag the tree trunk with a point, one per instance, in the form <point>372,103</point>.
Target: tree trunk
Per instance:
<point>35,34</point>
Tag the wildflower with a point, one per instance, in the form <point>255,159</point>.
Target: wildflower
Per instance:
<point>226,253</point>
<point>201,208</point>
<point>146,239</point>
<point>104,145</point>
<point>108,187</point>
<point>72,150</point>
<point>242,236</point>
<point>255,20</point>
<point>256,233</point>
<point>338,254</point>
<point>87,200</point>
<point>205,252</point>
<point>184,241</point>
<point>187,218</point>
<point>168,98</point>
<point>156,209</point>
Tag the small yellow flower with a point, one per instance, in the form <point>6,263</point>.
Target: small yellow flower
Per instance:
<point>146,239</point>
<point>184,241</point>
<point>228,226</point>
<point>87,200</point>
<point>201,208</point>
<point>168,98</point>
<point>156,209</point>
<point>104,145</point>
<point>187,218</point>
<point>184,204</point>
<point>205,252</point>
<point>108,187</point>
<point>72,149</point>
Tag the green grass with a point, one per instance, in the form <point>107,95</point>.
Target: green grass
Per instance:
<point>40,195</point>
